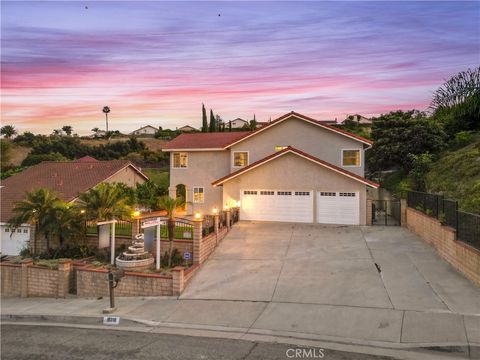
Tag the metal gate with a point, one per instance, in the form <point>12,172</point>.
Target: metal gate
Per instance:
<point>386,212</point>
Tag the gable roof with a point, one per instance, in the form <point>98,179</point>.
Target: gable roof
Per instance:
<point>67,178</point>
<point>146,126</point>
<point>310,120</point>
<point>223,140</point>
<point>204,141</point>
<point>309,157</point>
<point>239,119</point>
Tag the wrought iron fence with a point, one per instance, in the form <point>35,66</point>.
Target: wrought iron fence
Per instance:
<point>467,225</point>
<point>122,228</point>
<point>208,225</point>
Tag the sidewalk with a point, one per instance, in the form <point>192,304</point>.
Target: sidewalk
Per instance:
<point>371,327</point>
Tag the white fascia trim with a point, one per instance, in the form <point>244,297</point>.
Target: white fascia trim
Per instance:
<point>187,150</point>
<point>301,118</point>
<point>307,158</point>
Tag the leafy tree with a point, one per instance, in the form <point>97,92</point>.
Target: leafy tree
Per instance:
<point>147,194</point>
<point>57,132</point>
<point>204,119</point>
<point>34,159</point>
<point>213,126</point>
<point>456,103</point>
<point>106,110</point>
<point>398,134</point>
<point>28,139</point>
<point>253,123</point>
<point>40,208</point>
<point>8,131</point>
<point>421,165</point>
<point>105,202</point>
<point>95,129</point>
<point>170,205</point>
<point>67,129</point>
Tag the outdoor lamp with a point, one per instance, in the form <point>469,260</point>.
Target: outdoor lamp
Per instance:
<point>215,211</point>
<point>238,203</point>
<point>82,211</point>
<point>227,207</point>
<point>197,215</point>
<point>136,213</point>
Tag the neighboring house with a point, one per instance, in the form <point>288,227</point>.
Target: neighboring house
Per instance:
<point>187,128</point>
<point>238,123</point>
<point>293,169</point>
<point>67,179</point>
<point>98,133</point>
<point>358,118</point>
<point>145,130</point>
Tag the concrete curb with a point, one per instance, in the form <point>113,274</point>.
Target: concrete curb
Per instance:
<point>404,350</point>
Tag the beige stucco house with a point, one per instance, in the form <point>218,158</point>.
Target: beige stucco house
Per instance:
<point>295,169</point>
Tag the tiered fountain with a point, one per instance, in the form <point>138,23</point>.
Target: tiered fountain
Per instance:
<point>135,258</point>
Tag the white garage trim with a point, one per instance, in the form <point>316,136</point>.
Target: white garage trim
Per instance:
<point>335,207</point>
<point>287,205</point>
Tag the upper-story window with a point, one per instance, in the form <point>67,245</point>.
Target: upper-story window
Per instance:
<point>240,158</point>
<point>180,160</point>
<point>280,147</point>
<point>198,194</point>
<point>351,157</point>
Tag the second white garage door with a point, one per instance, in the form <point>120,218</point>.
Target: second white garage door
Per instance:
<point>338,207</point>
<point>277,205</point>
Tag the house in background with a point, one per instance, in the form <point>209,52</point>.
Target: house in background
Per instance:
<point>238,123</point>
<point>145,130</point>
<point>359,119</point>
<point>187,128</point>
<point>68,179</point>
<point>295,169</point>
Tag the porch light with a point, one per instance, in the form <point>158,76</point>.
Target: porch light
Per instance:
<point>136,213</point>
<point>198,215</point>
<point>238,203</point>
<point>227,207</point>
<point>215,211</point>
<point>82,211</point>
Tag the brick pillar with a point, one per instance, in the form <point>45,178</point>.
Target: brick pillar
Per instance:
<point>24,283</point>
<point>369,212</point>
<point>403,212</point>
<point>229,217</point>
<point>178,280</point>
<point>216,222</point>
<point>135,228</point>
<point>197,240</point>
<point>64,268</point>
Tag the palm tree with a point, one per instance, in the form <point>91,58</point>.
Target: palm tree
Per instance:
<point>95,129</point>
<point>40,208</point>
<point>105,202</point>
<point>106,110</point>
<point>170,205</point>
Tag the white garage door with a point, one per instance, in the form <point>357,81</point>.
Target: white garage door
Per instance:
<point>338,207</point>
<point>277,205</point>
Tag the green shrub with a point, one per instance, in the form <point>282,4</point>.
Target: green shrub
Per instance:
<point>177,259</point>
<point>463,138</point>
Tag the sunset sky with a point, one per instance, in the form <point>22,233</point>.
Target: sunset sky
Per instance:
<point>157,62</point>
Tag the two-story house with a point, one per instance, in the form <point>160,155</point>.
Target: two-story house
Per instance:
<point>295,169</point>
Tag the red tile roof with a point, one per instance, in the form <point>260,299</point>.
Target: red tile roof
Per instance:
<point>223,140</point>
<point>87,159</point>
<point>67,179</point>
<point>216,140</point>
<point>300,153</point>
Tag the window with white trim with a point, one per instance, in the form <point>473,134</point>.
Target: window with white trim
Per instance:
<point>198,194</point>
<point>180,160</point>
<point>302,193</point>
<point>351,157</point>
<point>240,158</point>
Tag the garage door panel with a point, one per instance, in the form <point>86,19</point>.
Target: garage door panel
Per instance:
<point>277,205</point>
<point>338,207</point>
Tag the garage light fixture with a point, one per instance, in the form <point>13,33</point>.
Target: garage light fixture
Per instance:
<point>198,215</point>
<point>215,211</point>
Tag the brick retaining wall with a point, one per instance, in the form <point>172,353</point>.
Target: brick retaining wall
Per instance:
<point>461,256</point>
<point>26,279</point>
<point>93,283</point>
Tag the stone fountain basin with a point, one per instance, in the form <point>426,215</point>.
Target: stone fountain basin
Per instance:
<point>134,264</point>
<point>136,249</point>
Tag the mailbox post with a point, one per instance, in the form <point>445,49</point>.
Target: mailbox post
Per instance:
<point>114,278</point>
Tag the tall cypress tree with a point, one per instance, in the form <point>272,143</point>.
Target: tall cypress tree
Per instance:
<point>230,126</point>
<point>204,119</point>
<point>212,122</point>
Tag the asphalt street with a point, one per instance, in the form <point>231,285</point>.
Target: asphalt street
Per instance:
<point>49,342</point>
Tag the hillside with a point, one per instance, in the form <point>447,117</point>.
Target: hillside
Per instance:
<point>457,175</point>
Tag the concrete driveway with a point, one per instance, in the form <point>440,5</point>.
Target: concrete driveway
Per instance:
<point>368,267</point>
